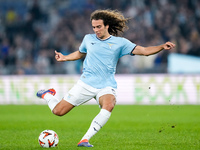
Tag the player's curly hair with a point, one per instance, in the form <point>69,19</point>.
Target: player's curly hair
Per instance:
<point>114,18</point>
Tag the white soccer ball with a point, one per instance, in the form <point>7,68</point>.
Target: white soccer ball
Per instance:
<point>48,138</point>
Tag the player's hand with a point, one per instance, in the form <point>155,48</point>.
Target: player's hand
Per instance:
<point>168,45</point>
<point>59,56</point>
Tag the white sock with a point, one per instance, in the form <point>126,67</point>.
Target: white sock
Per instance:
<point>97,123</point>
<point>51,100</point>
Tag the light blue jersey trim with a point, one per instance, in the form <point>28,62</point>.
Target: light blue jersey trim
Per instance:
<point>101,59</point>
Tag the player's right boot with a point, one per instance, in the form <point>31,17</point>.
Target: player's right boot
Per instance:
<point>41,93</point>
<point>84,143</point>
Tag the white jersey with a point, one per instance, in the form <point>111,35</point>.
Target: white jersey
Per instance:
<point>101,59</point>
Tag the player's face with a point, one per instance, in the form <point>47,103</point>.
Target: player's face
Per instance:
<point>100,29</point>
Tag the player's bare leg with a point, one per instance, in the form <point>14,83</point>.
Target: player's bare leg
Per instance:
<point>62,108</point>
<point>107,103</point>
<point>59,108</point>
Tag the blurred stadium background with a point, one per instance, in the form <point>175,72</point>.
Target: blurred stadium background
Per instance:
<point>30,31</point>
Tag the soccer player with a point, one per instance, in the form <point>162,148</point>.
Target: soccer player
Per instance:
<point>101,51</point>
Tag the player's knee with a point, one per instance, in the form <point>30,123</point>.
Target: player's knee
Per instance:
<point>57,112</point>
<point>110,106</point>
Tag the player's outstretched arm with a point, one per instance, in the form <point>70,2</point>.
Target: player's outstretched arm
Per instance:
<point>139,50</point>
<point>73,56</point>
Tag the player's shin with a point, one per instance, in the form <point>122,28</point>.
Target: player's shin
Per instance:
<point>97,123</point>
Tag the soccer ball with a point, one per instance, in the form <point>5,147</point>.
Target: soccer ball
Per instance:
<point>48,138</point>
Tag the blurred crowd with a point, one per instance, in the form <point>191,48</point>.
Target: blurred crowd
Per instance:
<point>31,30</point>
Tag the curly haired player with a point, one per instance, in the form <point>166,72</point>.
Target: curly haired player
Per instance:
<point>101,50</point>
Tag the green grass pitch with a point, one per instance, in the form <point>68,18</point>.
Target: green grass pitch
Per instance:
<point>131,127</point>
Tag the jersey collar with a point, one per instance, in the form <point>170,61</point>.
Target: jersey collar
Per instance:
<point>104,39</point>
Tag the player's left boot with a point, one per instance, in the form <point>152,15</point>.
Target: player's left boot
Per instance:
<point>84,143</point>
<point>41,93</point>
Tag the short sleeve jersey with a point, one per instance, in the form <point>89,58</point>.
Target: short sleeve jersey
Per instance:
<point>101,59</point>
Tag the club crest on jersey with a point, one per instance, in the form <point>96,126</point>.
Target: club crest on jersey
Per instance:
<point>110,45</point>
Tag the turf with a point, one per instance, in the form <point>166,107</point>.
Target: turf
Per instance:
<point>131,127</point>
